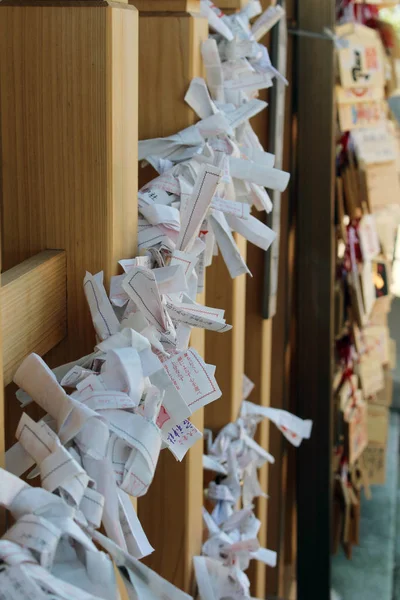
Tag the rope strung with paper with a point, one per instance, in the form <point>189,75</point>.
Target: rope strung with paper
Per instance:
<point>236,457</point>
<point>211,173</point>
<point>100,443</point>
<point>127,402</point>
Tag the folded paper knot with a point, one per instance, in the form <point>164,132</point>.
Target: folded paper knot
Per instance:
<point>43,537</point>
<point>112,448</point>
<point>58,469</point>
<point>216,581</point>
<point>12,553</point>
<point>37,535</point>
<point>135,445</point>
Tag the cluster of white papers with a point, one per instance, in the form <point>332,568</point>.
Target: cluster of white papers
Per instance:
<point>51,551</point>
<point>212,173</point>
<point>235,457</point>
<point>109,414</point>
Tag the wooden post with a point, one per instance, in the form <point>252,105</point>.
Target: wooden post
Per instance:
<point>169,57</point>
<point>258,368</point>
<point>68,96</point>
<point>314,304</point>
<point>226,351</point>
<point>68,85</point>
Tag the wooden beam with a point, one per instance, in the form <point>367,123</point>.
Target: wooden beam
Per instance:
<point>226,351</point>
<point>169,57</point>
<point>33,308</point>
<point>314,314</point>
<point>231,6</point>
<point>171,6</point>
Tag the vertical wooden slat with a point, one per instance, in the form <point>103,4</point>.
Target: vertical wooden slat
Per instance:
<point>258,334</point>
<point>226,351</point>
<point>258,368</point>
<point>68,96</point>
<point>314,303</point>
<point>169,57</point>
<point>279,486</point>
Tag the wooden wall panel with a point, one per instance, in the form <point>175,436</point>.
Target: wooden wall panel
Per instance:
<point>169,57</point>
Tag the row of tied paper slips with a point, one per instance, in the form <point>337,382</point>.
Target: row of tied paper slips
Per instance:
<point>367,218</point>
<point>110,413</point>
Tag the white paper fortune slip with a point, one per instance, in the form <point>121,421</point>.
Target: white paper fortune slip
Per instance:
<point>269,177</point>
<point>198,98</point>
<point>197,315</point>
<point>226,243</point>
<point>213,67</point>
<point>103,316</point>
<point>266,21</point>
<point>181,437</point>
<point>245,112</point>
<point>253,230</point>
<point>141,286</point>
<point>214,16</point>
<point>197,206</point>
<point>193,378</point>
<point>231,207</point>
<point>179,145</point>
<point>293,428</point>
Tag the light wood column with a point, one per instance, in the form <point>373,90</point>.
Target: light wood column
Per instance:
<point>227,350</point>
<point>265,357</point>
<point>258,369</point>
<point>171,32</point>
<point>68,85</point>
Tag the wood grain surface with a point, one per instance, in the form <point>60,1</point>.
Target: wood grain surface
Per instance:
<point>33,308</point>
